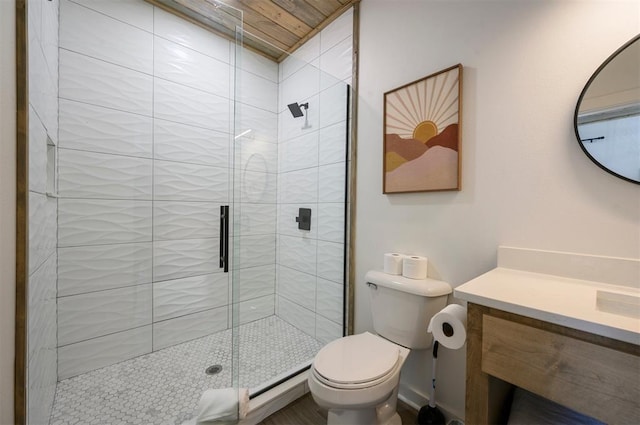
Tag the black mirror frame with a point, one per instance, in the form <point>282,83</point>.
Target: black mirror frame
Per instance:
<point>584,90</point>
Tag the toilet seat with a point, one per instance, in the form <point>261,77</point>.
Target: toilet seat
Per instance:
<point>356,362</point>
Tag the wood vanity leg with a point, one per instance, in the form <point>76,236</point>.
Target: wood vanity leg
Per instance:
<point>477,382</point>
<point>487,397</point>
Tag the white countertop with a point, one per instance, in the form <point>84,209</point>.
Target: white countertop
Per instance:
<point>564,301</point>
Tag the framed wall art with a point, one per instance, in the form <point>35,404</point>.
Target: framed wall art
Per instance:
<point>422,123</point>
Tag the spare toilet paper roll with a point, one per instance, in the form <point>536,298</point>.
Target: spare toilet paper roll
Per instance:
<point>449,326</point>
<point>393,263</point>
<point>414,267</point>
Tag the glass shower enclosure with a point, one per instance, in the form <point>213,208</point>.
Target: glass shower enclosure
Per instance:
<point>289,214</point>
<point>187,202</point>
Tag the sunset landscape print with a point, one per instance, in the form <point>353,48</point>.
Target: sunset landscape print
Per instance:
<point>421,134</point>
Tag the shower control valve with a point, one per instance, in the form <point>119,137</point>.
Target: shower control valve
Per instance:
<point>304,218</point>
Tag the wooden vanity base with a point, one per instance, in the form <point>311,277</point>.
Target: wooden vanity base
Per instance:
<point>591,374</point>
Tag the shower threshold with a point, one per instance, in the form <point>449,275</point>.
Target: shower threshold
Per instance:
<point>164,387</point>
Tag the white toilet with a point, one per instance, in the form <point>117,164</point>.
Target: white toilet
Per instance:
<point>356,377</point>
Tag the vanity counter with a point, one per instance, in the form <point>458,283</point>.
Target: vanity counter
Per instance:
<point>536,323</point>
<point>555,299</point>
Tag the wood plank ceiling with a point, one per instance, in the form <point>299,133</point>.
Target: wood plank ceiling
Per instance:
<point>273,28</point>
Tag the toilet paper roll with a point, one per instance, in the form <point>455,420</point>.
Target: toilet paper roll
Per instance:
<point>449,326</point>
<point>414,267</point>
<point>393,263</point>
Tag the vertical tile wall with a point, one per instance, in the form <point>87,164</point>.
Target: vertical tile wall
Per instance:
<point>43,136</point>
<point>311,174</point>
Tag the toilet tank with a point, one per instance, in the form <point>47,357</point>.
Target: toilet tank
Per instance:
<point>403,307</point>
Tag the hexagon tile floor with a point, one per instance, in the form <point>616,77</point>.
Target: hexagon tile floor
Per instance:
<point>164,387</point>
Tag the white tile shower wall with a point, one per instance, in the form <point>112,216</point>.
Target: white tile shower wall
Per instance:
<point>185,220</point>
<point>85,31</point>
<point>179,142</point>
<point>98,129</point>
<point>188,327</point>
<point>256,281</point>
<point>74,359</point>
<point>96,82</point>
<point>311,174</point>
<point>175,298</point>
<point>42,267</point>
<point>86,268</point>
<point>145,100</point>
<point>95,314</point>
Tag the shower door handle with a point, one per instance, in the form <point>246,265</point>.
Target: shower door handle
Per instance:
<point>224,237</point>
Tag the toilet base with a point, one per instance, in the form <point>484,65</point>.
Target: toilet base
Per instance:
<point>359,417</point>
<point>382,414</point>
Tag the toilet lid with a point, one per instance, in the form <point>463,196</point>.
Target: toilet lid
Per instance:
<point>356,359</point>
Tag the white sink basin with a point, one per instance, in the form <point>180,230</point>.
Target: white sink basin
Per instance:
<point>623,304</point>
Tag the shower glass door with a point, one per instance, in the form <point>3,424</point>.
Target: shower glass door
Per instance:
<point>290,153</point>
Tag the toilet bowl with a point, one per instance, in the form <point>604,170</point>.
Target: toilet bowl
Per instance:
<point>356,377</point>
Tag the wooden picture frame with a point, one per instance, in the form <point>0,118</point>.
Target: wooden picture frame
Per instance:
<point>422,121</point>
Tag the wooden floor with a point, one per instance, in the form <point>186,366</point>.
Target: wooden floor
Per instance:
<point>305,411</point>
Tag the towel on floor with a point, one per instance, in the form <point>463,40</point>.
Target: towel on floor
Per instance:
<point>226,405</point>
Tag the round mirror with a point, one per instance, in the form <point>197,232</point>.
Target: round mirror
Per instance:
<point>607,118</point>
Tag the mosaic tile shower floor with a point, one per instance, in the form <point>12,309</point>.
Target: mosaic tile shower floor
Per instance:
<point>164,387</point>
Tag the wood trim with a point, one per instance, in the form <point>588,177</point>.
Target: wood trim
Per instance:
<point>351,279</point>
<point>477,382</point>
<point>22,211</point>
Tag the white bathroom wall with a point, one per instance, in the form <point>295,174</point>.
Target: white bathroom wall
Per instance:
<point>43,137</point>
<point>7,207</point>
<point>146,103</point>
<point>311,174</point>
<point>525,180</point>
